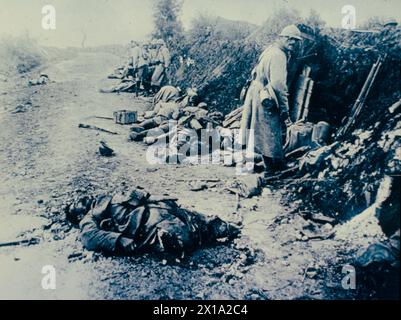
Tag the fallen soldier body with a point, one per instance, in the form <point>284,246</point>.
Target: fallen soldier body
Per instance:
<point>185,137</point>
<point>126,85</point>
<point>159,117</point>
<point>167,94</point>
<point>136,222</point>
<point>117,74</point>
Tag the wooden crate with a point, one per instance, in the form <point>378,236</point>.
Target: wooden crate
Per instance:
<point>125,116</point>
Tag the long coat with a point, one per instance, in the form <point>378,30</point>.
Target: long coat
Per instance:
<point>261,127</point>
<point>166,94</point>
<point>163,59</point>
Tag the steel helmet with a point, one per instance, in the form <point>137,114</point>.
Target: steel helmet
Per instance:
<point>160,42</point>
<point>202,105</point>
<point>391,22</point>
<point>291,31</point>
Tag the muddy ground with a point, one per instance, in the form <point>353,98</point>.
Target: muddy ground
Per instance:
<point>46,161</point>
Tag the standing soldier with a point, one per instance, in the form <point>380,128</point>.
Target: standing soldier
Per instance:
<point>152,55</point>
<point>141,64</point>
<point>162,62</point>
<point>266,104</point>
<point>133,50</point>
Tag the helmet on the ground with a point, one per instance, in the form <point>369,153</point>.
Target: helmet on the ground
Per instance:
<point>291,31</point>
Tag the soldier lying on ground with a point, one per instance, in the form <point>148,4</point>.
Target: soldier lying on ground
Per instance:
<point>126,85</point>
<point>135,222</point>
<point>167,94</point>
<point>117,74</point>
<point>164,111</point>
<point>161,114</point>
<point>171,93</point>
<point>135,74</point>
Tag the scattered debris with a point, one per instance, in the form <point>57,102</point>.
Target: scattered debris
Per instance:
<point>198,186</point>
<point>88,126</point>
<point>311,272</point>
<point>246,186</point>
<point>105,150</point>
<point>317,217</point>
<point>42,80</point>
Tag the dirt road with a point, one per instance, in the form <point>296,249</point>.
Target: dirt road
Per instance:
<point>46,160</point>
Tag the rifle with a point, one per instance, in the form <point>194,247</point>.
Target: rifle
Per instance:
<point>360,101</point>
<point>137,84</point>
<point>30,241</point>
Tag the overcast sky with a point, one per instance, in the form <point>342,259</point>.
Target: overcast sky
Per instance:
<point>118,21</point>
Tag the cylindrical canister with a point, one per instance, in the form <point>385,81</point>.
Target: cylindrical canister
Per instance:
<point>321,132</point>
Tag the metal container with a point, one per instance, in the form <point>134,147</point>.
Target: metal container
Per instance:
<point>125,116</point>
<point>321,132</point>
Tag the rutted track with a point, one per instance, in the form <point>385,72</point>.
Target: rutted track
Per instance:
<point>46,160</point>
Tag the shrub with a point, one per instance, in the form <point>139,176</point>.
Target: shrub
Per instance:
<point>20,54</point>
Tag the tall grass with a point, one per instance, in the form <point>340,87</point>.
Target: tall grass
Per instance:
<point>20,54</point>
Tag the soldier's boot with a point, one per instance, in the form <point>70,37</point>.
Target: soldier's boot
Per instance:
<point>269,166</point>
<point>137,128</point>
<point>136,136</point>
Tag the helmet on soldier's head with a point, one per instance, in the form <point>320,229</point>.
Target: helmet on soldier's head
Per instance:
<point>192,91</point>
<point>391,23</point>
<point>160,42</point>
<point>291,31</point>
<point>202,105</point>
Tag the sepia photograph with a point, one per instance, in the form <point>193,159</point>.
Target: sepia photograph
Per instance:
<point>226,152</point>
